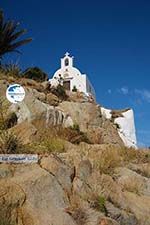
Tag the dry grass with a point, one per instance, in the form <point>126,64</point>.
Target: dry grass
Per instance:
<point>133,185</point>
<point>144,170</point>
<point>51,145</point>
<point>134,156</point>
<point>108,160</point>
<point>71,134</point>
<point>98,202</point>
<point>113,157</point>
<point>9,143</point>
<point>79,216</point>
<point>4,105</point>
<point>76,210</point>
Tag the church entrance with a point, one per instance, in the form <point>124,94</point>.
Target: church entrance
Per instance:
<point>66,85</point>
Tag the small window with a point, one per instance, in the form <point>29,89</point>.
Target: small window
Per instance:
<point>66,62</point>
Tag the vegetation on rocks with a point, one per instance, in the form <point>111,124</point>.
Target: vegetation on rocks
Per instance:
<point>76,211</point>
<point>60,92</point>
<point>9,143</point>
<point>74,89</point>
<point>75,136</point>
<point>48,145</point>
<point>36,74</point>
<point>11,70</point>
<point>52,140</point>
<point>113,156</point>
<point>98,202</point>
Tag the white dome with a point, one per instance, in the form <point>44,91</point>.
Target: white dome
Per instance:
<point>67,72</point>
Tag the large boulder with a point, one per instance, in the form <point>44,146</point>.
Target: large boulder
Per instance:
<point>32,108</point>
<point>139,206</point>
<point>52,99</point>
<point>12,198</point>
<point>68,189</point>
<point>25,131</point>
<point>63,173</point>
<point>121,216</point>
<point>6,171</point>
<point>132,181</point>
<point>88,116</point>
<point>45,199</point>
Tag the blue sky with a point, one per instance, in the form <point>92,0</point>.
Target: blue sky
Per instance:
<point>110,41</point>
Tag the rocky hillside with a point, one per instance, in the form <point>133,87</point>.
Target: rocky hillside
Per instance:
<point>85,185</point>
<point>47,106</point>
<point>42,108</point>
<point>85,175</point>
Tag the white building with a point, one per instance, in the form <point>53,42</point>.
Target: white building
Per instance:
<point>71,78</point>
<point>126,126</point>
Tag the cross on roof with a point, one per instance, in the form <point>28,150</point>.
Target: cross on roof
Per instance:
<point>67,54</point>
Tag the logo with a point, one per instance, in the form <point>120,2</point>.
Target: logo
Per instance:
<point>15,93</point>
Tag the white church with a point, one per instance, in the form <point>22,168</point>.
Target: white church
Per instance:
<point>71,78</point>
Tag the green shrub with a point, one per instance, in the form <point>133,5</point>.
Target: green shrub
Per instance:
<point>75,136</point>
<point>74,89</point>
<point>54,145</point>
<point>11,120</point>
<point>36,74</point>
<point>98,203</point>
<point>48,145</point>
<point>76,127</point>
<point>60,92</point>
<point>9,143</point>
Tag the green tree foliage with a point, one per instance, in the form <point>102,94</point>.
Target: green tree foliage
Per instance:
<point>35,73</point>
<point>74,89</point>
<point>9,33</point>
<point>60,92</point>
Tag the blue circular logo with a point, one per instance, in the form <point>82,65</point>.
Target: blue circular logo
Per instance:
<point>15,93</point>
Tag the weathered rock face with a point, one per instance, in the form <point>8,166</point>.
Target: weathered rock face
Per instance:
<point>86,115</point>
<point>101,125</point>
<point>66,189</point>
<point>52,99</point>
<point>32,108</point>
<point>47,108</point>
<point>12,198</point>
<point>89,118</point>
<point>25,131</point>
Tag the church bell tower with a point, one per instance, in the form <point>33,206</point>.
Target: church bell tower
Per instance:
<point>66,61</point>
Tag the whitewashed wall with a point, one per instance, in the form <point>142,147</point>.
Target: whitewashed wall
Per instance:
<point>126,124</point>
